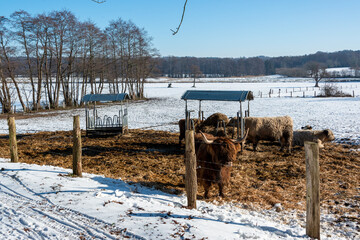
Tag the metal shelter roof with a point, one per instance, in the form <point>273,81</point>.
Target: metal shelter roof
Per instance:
<point>105,97</point>
<point>238,96</point>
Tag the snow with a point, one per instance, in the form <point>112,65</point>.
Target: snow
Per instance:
<point>165,107</point>
<point>43,202</point>
<point>342,71</point>
<point>40,202</point>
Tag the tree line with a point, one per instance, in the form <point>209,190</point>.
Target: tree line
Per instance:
<point>60,57</point>
<point>293,66</point>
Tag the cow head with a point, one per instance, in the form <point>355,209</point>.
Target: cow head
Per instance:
<point>223,150</point>
<point>329,135</point>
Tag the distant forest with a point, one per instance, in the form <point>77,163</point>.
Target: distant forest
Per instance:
<point>294,66</point>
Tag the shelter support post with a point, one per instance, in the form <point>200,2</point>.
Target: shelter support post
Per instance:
<point>200,110</point>
<point>86,116</point>
<point>186,116</point>
<point>241,121</point>
<point>94,114</point>
<point>121,114</point>
<point>238,125</point>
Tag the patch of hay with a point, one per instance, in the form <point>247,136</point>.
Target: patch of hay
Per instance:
<point>154,159</point>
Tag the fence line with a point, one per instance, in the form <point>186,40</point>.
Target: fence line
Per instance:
<point>296,92</point>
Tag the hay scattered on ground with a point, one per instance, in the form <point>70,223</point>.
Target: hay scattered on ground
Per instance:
<point>155,159</point>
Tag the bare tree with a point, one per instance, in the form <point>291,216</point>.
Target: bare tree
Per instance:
<point>195,73</point>
<point>23,25</point>
<point>7,55</point>
<point>132,57</point>
<point>5,95</point>
<point>317,71</point>
<point>43,33</point>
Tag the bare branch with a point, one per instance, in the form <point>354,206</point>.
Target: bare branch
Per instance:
<point>182,17</point>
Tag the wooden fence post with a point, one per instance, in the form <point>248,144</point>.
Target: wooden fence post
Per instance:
<point>12,140</point>
<point>77,167</point>
<point>190,175</point>
<point>312,190</point>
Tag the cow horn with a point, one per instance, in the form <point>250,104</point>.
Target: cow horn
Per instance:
<point>205,139</point>
<point>242,139</point>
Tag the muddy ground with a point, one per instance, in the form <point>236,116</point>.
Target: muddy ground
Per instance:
<point>154,158</point>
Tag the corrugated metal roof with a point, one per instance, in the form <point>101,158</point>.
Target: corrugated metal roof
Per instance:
<point>239,96</point>
<point>105,97</point>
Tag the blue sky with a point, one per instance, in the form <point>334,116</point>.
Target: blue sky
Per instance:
<point>223,28</point>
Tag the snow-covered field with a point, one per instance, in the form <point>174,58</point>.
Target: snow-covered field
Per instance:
<point>43,202</point>
<point>165,108</point>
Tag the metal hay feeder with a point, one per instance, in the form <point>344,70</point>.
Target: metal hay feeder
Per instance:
<point>105,125</point>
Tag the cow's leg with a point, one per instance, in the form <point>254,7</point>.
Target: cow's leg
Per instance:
<point>207,186</point>
<point>255,145</point>
<point>286,141</point>
<point>221,190</point>
<point>289,144</point>
<point>282,143</point>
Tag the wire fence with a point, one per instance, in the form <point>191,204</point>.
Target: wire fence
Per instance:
<point>304,91</point>
<point>212,167</point>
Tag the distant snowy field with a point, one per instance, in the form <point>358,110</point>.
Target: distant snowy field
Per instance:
<point>165,106</point>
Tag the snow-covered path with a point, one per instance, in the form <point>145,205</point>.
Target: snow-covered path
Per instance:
<point>27,215</point>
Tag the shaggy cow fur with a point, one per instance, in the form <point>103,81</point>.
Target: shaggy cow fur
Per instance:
<point>270,129</point>
<point>300,136</point>
<point>214,161</point>
<point>182,129</point>
<point>214,119</point>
